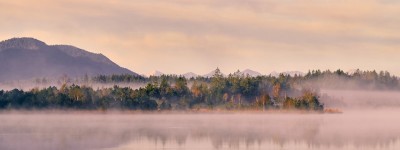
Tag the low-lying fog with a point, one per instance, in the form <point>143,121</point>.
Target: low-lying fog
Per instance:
<point>370,120</point>
<point>27,86</point>
<point>373,129</point>
<point>360,99</point>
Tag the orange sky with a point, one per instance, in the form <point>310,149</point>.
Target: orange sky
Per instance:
<point>178,36</point>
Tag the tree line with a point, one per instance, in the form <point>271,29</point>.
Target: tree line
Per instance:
<point>313,79</point>
<point>168,92</point>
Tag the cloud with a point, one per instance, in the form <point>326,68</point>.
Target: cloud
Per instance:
<point>189,35</point>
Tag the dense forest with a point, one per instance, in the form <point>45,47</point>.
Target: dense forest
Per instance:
<point>314,79</point>
<point>171,92</point>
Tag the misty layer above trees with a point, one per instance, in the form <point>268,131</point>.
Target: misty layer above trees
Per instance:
<point>315,79</point>
<point>234,91</point>
<point>169,92</point>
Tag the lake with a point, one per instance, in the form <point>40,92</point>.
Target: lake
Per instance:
<point>353,129</point>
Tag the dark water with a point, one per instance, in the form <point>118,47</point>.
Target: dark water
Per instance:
<point>361,129</point>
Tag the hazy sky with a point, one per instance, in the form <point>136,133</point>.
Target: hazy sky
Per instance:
<point>178,36</point>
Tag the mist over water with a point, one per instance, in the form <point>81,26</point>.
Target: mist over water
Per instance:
<point>370,120</point>
<point>361,129</point>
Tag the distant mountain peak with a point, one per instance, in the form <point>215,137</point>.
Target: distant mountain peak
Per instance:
<point>274,74</point>
<point>24,43</point>
<point>212,73</point>
<point>28,58</point>
<point>157,73</point>
<point>190,75</point>
<point>250,72</point>
<point>291,73</point>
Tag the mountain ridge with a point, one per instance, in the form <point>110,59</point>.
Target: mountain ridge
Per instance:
<point>27,58</point>
<point>251,73</point>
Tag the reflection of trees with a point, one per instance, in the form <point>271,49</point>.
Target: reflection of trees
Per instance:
<point>281,132</point>
<point>252,133</point>
<point>232,131</point>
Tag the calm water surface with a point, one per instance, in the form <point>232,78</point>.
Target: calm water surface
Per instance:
<point>361,129</point>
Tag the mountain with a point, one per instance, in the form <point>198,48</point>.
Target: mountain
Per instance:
<point>190,75</point>
<point>28,58</point>
<point>251,73</point>
<point>291,73</point>
<point>210,74</point>
<point>274,74</point>
<point>157,73</point>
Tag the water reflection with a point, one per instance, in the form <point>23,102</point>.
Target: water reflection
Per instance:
<point>377,129</point>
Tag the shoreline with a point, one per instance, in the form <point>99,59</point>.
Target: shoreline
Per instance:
<point>183,112</point>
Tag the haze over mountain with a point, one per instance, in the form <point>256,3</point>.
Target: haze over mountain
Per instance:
<point>251,73</point>
<point>210,74</point>
<point>291,73</point>
<point>245,72</point>
<point>190,75</point>
<point>28,58</point>
<point>264,35</point>
<point>157,73</point>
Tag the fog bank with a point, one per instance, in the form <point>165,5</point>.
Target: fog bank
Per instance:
<point>360,99</point>
<point>351,130</point>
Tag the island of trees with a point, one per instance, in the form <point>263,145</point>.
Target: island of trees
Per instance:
<point>170,92</point>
